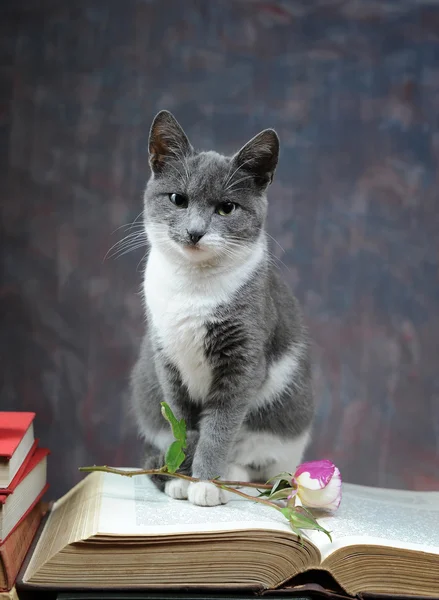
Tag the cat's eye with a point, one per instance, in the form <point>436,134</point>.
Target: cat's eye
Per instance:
<point>179,200</point>
<point>226,208</point>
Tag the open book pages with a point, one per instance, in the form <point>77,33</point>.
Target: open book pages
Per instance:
<point>396,518</point>
<point>142,510</point>
<point>128,522</point>
<point>246,544</point>
<point>384,541</point>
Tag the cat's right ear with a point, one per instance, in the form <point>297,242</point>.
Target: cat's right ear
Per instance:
<point>259,157</point>
<point>166,140</point>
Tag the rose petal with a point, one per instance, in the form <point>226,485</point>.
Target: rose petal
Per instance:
<point>315,475</point>
<point>328,498</point>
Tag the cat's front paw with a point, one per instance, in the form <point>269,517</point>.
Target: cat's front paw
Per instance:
<point>177,489</point>
<point>203,493</point>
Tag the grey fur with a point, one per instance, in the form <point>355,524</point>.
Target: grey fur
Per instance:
<point>256,328</point>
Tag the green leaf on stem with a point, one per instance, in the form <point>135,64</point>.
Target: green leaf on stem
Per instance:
<point>282,494</point>
<point>178,427</point>
<point>284,476</point>
<point>174,456</point>
<point>299,521</point>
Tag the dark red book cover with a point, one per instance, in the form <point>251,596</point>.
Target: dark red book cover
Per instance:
<point>14,548</point>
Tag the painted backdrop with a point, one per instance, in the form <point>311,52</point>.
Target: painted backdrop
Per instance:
<point>352,88</point>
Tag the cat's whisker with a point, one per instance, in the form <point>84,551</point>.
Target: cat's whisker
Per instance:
<point>142,259</point>
<point>134,223</point>
<point>233,184</point>
<point>180,154</point>
<point>186,168</point>
<point>125,244</point>
<point>272,238</point>
<point>242,189</point>
<point>129,236</point>
<point>229,177</point>
<point>273,258</point>
<point>131,225</point>
<point>180,176</point>
<point>128,250</point>
<point>129,240</point>
<point>122,242</point>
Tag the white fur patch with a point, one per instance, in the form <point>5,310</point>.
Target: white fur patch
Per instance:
<point>177,488</point>
<point>161,439</point>
<point>280,374</point>
<point>203,493</point>
<point>237,473</point>
<point>181,300</point>
<point>271,450</point>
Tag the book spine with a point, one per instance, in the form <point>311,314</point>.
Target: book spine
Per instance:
<point>14,549</point>
<point>3,579</point>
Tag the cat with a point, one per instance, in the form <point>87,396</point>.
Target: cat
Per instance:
<point>225,344</point>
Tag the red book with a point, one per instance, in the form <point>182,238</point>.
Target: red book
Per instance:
<point>25,494</point>
<point>19,474</point>
<point>14,549</point>
<point>16,441</point>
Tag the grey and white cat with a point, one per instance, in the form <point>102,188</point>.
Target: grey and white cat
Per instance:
<point>225,344</point>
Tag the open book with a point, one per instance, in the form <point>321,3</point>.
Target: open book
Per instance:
<point>113,531</point>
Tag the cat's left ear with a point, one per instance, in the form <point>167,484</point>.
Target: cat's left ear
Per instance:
<point>166,140</point>
<point>259,156</point>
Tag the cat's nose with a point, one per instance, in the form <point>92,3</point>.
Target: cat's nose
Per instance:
<point>195,236</point>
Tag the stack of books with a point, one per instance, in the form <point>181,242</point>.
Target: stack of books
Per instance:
<point>23,473</point>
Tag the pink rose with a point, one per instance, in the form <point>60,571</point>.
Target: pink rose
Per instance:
<point>318,484</point>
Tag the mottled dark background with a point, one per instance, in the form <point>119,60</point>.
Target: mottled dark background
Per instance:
<point>353,89</point>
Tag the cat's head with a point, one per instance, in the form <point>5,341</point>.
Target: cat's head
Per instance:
<point>202,207</point>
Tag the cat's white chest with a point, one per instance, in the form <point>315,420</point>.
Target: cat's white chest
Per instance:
<point>179,315</point>
<point>180,303</point>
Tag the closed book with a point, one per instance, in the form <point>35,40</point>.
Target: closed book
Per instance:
<point>26,493</point>
<point>14,548</point>
<point>19,474</point>
<point>16,440</point>
<point>117,533</point>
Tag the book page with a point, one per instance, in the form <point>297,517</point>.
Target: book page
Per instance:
<point>396,518</point>
<point>142,509</point>
<point>73,518</point>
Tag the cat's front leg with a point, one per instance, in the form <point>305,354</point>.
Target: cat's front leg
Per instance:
<point>221,420</point>
<point>237,372</point>
<point>176,396</point>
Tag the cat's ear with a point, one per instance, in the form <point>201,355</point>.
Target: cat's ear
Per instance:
<point>259,156</point>
<point>166,140</point>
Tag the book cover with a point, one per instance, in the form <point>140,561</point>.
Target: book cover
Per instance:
<point>14,507</point>
<point>13,427</point>
<point>35,459</point>
<point>20,473</point>
<point>14,548</point>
